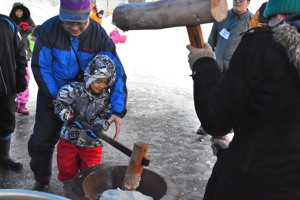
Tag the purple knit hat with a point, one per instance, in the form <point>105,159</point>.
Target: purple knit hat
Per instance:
<point>74,10</point>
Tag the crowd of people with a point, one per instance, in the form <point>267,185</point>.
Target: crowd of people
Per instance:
<point>246,81</point>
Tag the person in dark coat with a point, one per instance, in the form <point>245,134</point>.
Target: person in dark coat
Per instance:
<point>259,97</point>
<point>12,80</point>
<point>20,14</point>
<point>226,35</point>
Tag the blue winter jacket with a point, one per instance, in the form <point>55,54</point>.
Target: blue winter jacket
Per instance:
<point>58,58</point>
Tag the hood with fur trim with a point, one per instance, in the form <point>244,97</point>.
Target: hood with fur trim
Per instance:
<point>26,12</point>
<point>287,34</point>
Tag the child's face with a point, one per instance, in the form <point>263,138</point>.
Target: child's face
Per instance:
<point>19,13</point>
<point>100,84</point>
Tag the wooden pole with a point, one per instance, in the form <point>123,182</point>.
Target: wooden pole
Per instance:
<point>135,168</point>
<point>168,14</point>
<point>195,36</point>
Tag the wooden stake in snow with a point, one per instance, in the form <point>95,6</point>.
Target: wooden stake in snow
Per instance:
<point>135,168</point>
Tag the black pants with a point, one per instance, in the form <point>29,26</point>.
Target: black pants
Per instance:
<point>7,115</point>
<point>42,142</point>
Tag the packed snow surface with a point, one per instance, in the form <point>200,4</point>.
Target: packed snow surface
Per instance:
<point>118,194</point>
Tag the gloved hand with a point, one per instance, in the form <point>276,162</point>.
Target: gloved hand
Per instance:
<point>78,124</point>
<point>24,26</point>
<point>219,143</point>
<point>21,83</point>
<point>90,133</point>
<point>99,123</point>
<point>197,53</point>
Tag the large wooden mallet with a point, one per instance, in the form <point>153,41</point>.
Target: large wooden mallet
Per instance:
<point>171,13</point>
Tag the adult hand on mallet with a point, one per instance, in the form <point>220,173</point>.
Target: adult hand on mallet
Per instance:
<point>197,53</point>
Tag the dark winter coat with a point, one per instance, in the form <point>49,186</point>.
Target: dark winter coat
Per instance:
<point>56,61</point>
<point>12,57</point>
<point>259,97</point>
<point>25,18</point>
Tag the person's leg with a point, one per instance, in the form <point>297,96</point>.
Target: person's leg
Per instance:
<point>66,160</point>
<point>67,164</point>
<point>7,126</point>
<point>22,98</point>
<point>42,142</point>
<point>90,156</point>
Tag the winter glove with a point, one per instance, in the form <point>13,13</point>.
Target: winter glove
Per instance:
<point>78,124</point>
<point>197,53</point>
<point>220,143</point>
<point>85,127</point>
<point>90,133</point>
<point>24,26</point>
<point>21,83</point>
<point>99,123</point>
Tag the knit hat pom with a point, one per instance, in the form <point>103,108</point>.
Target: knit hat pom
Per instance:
<point>282,7</point>
<point>74,10</point>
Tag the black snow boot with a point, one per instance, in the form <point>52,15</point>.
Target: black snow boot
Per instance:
<point>5,160</point>
<point>40,186</point>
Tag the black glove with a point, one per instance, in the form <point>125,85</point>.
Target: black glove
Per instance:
<point>91,133</point>
<point>21,83</point>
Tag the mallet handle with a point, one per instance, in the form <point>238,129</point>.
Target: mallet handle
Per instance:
<point>195,36</point>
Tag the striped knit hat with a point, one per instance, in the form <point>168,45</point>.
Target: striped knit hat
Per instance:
<point>282,7</point>
<point>74,10</point>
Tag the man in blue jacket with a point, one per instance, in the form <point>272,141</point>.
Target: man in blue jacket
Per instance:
<point>65,45</point>
<point>13,65</point>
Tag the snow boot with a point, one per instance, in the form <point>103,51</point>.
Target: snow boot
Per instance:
<point>21,108</point>
<point>67,188</point>
<point>5,160</point>
<point>201,131</point>
<point>40,186</point>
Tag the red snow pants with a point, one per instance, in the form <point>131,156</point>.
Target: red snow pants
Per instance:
<point>67,155</point>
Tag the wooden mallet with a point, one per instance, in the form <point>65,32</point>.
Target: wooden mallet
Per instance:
<point>171,13</point>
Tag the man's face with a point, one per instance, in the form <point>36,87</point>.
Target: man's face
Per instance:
<point>240,6</point>
<point>75,28</point>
